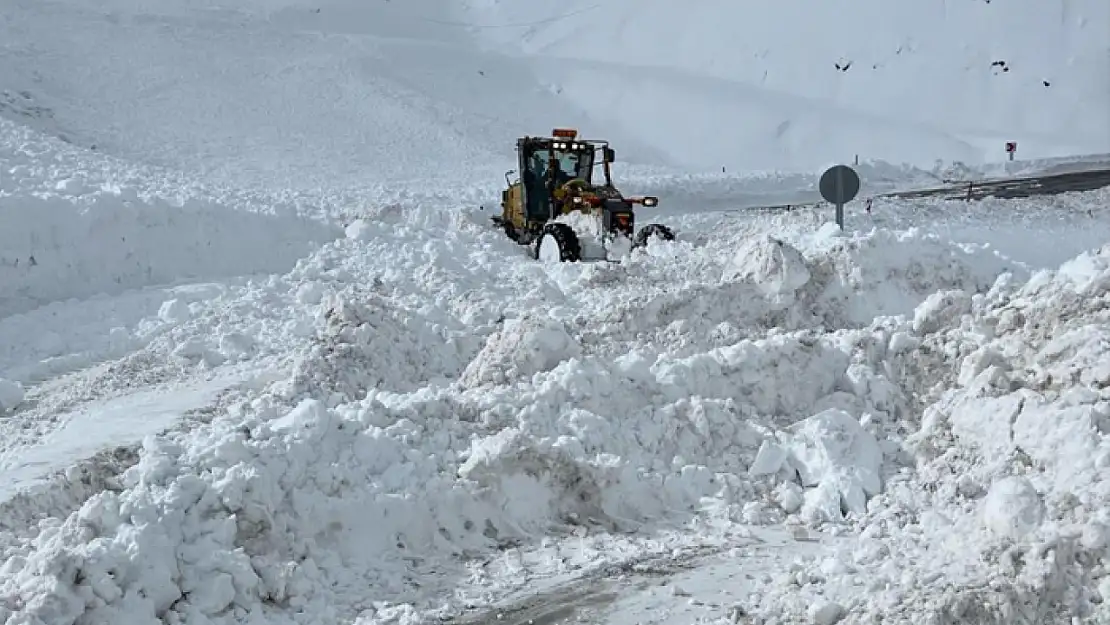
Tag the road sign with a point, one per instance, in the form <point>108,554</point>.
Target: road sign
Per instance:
<point>839,185</point>
<point>1011,148</point>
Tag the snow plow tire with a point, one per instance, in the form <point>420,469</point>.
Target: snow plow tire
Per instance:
<point>652,230</point>
<point>558,242</point>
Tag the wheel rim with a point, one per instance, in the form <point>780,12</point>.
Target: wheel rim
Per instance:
<point>549,250</point>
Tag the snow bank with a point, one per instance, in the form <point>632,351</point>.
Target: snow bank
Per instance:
<point>797,278</point>
<point>885,272</point>
<point>446,410</point>
<point>273,508</point>
<point>79,243</point>
<point>353,474</point>
<point>1001,502</point>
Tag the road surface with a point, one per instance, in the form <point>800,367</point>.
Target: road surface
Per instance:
<point>1052,184</point>
<point>667,590</point>
<point>1008,188</point>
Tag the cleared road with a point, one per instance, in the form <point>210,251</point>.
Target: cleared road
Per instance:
<point>1017,187</point>
<point>1007,188</point>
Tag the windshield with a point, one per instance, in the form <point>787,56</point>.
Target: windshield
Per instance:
<point>572,164</point>
<point>577,164</point>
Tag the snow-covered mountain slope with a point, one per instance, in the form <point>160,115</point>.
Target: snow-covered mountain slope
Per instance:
<point>788,84</point>
<point>70,227</point>
<point>320,94</point>
<point>301,94</point>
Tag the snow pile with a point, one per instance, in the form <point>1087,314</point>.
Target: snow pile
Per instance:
<point>433,399</point>
<point>521,348</point>
<point>796,279</point>
<point>367,343</point>
<point>231,533</point>
<point>776,268</point>
<point>1002,503</point>
<point>271,509</point>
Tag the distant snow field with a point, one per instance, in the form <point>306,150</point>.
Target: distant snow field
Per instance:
<point>263,359</point>
<point>744,85</point>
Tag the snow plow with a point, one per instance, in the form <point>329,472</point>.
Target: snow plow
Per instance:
<point>555,205</point>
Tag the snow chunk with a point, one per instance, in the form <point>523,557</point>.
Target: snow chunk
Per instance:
<point>367,343</point>
<point>832,452</point>
<point>773,265</point>
<point>979,361</point>
<point>310,293</point>
<point>521,348</point>
<point>826,613</point>
<point>173,311</point>
<point>789,496</point>
<point>941,309</point>
<point>72,186</point>
<point>359,230</point>
<point>768,459</point>
<point>533,482</point>
<point>1012,508</point>
<point>902,342</point>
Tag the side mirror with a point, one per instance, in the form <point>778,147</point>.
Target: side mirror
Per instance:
<point>608,154</point>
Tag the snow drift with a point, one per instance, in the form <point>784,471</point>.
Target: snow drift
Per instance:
<point>75,224</point>
<point>111,241</point>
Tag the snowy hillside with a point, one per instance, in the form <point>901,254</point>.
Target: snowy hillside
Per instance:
<point>798,84</point>
<point>264,360</point>
<point>334,92</point>
<point>305,95</point>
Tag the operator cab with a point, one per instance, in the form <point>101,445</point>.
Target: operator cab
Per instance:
<point>549,163</point>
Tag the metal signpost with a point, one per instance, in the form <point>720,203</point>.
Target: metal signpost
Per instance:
<point>839,185</point>
<point>1011,148</point>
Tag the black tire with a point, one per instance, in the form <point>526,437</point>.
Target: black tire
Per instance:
<point>652,230</point>
<point>570,251</point>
